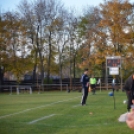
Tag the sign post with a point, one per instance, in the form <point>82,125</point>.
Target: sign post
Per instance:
<point>113,63</point>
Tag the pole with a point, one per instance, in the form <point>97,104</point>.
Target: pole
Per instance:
<point>100,85</point>
<point>106,75</point>
<point>121,72</point>
<point>114,99</point>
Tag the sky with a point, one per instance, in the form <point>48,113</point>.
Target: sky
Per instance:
<point>9,5</point>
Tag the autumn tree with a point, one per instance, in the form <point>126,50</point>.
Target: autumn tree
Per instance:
<point>14,45</point>
<point>116,22</point>
<point>88,28</point>
<point>109,36</point>
<point>3,55</point>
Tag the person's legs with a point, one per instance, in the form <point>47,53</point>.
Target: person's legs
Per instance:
<point>93,88</point>
<point>129,97</point>
<point>84,96</point>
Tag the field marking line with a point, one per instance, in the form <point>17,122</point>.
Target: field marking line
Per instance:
<point>8,115</point>
<point>81,126</point>
<point>78,105</point>
<point>42,118</point>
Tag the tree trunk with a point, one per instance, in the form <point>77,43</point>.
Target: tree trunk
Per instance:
<point>74,72</point>
<point>35,64</point>
<point>1,78</point>
<point>60,72</point>
<point>41,57</point>
<point>49,59</point>
<point>60,77</point>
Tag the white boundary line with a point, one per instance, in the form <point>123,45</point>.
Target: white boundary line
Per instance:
<point>8,115</point>
<point>42,118</point>
<point>78,105</point>
<point>82,126</point>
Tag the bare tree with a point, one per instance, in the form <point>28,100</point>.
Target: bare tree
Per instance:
<point>26,11</point>
<point>42,18</point>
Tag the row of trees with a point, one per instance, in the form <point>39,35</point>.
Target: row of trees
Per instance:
<point>110,33</point>
<point>44,36</point>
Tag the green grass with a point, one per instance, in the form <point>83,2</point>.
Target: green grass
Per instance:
<point>61,113</point>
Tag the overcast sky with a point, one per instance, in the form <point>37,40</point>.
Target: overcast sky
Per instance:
<point>6,5</point>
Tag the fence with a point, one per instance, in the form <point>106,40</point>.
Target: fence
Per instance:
<point>55,85</point>
<point>18,88</point>
<point>39,87</point>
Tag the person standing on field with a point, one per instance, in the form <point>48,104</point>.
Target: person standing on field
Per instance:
<point>85,84</point>
<point>92,82</point>
<point>129,88</point>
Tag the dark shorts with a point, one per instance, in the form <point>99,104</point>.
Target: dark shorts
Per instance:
<point>92,86</point>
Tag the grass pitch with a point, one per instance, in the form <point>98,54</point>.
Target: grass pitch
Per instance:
<point>61,113</point>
